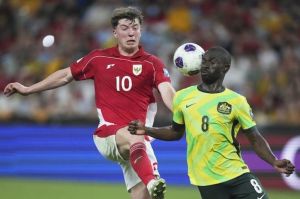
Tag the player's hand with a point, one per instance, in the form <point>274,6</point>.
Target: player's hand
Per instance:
<point>15,87</point>
<point>136,127</point>
<point>284,166</point>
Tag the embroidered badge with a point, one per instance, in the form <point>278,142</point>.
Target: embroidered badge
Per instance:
<point>137,69</point>
<point>224,108</point>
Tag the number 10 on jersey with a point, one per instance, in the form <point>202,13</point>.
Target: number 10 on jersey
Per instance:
<point>123,83</point>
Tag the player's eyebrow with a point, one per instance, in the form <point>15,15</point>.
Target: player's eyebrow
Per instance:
<point>130,25</point>
<point>212,59</point>
<point>124,25</point>
<point>208,58</point>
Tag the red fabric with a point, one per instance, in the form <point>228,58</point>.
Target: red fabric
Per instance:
<point>105,131</point>
<point>141,163</point>
<point>120,93</point>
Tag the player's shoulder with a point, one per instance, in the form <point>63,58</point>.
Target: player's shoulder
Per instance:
<point>234,93</point>
<point>237,97</point>
<point>151,58</point>
<point>102,52</point>
<point>186,91</point>
<point>105,51</point>
<point>94,53</point>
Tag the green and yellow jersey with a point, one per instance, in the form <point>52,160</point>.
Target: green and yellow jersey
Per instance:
<point>212,121</point>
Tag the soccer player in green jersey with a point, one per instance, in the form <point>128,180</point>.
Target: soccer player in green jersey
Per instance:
<point>211,115</point>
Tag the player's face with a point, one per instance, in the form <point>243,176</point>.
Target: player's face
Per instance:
<point>128,34</point>
<point>211,68</point>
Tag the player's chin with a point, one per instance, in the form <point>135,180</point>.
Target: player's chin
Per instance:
<point>131,46</point>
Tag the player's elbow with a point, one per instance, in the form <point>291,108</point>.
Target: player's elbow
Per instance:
<point>177,136</point>
<point>67,76</point>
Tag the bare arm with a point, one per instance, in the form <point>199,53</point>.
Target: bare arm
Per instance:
<point>263,150</point>
<point>168,133</point>
<point>167,93</point>
<point>56,79</point>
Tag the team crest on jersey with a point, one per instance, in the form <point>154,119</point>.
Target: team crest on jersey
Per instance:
<point>137,69</point>
<point>224,108</point>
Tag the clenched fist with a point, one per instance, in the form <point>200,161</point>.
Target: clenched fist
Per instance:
<point>15,87</point>
<point>136,127</point>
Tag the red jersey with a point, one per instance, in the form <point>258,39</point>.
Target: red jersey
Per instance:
<point>123,85</point>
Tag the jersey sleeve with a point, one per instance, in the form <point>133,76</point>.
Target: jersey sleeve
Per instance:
<point>245,115</point>
<point>177,111</point>
<point>82,68</point>
<point>161,72</point>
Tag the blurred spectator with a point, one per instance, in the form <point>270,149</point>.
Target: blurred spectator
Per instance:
<point>263,37</point>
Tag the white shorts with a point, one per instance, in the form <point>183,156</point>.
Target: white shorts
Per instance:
<point>107,146</point>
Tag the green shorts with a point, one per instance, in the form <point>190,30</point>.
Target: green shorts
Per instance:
<point>246,186</point>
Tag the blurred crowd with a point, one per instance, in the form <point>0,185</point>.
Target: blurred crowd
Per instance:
<point>263,37</point>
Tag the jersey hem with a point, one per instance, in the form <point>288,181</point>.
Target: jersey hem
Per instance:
<point>225,180</point>
<point>108,130</point>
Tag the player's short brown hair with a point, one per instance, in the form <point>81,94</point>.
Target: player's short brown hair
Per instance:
<point>130,13</point>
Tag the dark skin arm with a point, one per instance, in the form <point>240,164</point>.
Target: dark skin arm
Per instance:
<point>176,131</point>
<point>168,133</point>
<point>263,150</point>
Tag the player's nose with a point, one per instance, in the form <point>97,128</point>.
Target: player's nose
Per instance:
<point>130,32</point>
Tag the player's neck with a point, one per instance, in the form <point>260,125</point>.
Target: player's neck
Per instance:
<point>128,52</point>
<point>211,88</point>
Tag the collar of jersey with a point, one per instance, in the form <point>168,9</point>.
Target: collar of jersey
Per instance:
<point>139,53</point>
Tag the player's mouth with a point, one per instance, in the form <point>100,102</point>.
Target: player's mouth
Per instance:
<point>204,72</point>
<point>130,42</point>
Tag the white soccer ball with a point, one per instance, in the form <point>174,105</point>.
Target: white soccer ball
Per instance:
<point>188,58</point>
<point>48,41</point>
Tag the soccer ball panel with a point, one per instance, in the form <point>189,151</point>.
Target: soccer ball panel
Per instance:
<point>188,58</point>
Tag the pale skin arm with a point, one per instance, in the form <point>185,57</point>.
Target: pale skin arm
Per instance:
<point>56,79</point>
<point>167,93</point>
<point>263,150</point>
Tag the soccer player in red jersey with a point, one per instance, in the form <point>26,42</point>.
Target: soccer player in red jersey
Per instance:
<point>124,78</point>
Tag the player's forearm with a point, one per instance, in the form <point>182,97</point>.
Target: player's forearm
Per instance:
<point>168,99</point>
<point>56,79</point>
<point>163,133</point>
<point>263,150</point>
<point>167,93</point>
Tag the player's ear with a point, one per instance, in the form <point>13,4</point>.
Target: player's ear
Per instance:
<point>227,67</point>
<point>115,33</point>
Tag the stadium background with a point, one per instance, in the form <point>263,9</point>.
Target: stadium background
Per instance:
<point>48,135</point>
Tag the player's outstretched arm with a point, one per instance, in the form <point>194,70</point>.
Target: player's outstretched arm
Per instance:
<point>56,79</point>
<point>168,133</point>
<point>263,150</point>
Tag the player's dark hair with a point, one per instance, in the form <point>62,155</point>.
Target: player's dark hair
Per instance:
<point>130,13</point>
<point>222,54</point>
